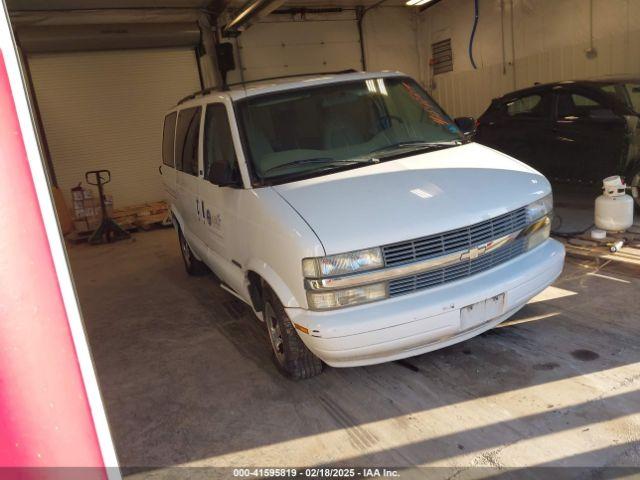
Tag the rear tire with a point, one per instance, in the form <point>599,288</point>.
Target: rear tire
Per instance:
<point>192,265</point>
<point>290,354</point>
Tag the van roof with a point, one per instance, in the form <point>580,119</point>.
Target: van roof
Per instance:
<point>260,87</point>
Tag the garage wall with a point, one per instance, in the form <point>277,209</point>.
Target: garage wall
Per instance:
<point>550,40</point>
<point>104,110</point>
<point>283,45</point>
<point>391,40</point>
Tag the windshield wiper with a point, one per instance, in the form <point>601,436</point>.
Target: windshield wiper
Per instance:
<point>305,161</point>
<point>417,145</point>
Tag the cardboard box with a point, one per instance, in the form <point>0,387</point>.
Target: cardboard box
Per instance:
<point>93,223</point>
<point>87,211</point>
<point>80,225</point>
<point>90,202</point>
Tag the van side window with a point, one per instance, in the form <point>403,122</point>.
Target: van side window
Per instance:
<point>187,135</point>
<point>219,153</point>
<point>168,137</point>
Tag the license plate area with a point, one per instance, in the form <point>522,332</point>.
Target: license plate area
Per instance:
<point>481,312</point>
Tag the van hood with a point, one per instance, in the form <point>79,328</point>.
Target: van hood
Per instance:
<point>412,197</point>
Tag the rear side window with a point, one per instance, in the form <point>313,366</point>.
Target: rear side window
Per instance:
<point>219,152</point>
<point>531,106</point>
<point>187,136</point>
<point>573,105</point>
<point>168,137</point>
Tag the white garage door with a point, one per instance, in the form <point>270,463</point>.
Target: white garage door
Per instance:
<point>104,110</point>
<point>273,48</point>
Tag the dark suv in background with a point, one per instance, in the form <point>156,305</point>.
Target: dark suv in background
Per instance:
<point>575,131</point>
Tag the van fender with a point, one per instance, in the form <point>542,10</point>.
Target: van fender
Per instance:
<point>276,283</point>
<point>176,218</point>
<point>178,222</point>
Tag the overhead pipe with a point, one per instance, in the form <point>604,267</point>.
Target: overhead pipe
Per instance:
<point>250,11</point>
<point>513,45</point>
<point>360,13</point>
<point>504,51</point>
<point>591,52</point>
<point>359,17</point>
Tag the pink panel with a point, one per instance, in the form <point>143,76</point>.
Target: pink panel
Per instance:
<point>45,418</point>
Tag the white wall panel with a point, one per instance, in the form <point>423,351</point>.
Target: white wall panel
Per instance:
<point>391,40</point>
<point>550,40</point>
<point>104,110</point>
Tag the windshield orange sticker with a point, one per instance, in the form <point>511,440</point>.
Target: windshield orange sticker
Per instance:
<point>435,116</point>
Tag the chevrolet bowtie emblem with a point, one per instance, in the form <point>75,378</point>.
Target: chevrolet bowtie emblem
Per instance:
<point>473,253</point>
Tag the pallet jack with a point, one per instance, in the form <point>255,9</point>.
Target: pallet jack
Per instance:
<point>108,231</point>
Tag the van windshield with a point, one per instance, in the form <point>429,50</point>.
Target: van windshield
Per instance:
<point>316,130</point>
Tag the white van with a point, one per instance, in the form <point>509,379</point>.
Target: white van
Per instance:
<point>354,217</point>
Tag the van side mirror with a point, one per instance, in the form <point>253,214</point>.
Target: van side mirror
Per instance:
<point>225,175</point>
<point>466,124</point>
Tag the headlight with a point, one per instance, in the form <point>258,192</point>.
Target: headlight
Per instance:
<point>344,263</point>
<point>538,232</point>
<point>350,296</point>
<point>539,208</point>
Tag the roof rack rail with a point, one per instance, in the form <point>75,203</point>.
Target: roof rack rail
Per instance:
<point>199,92</point>
<point>293,75</point>
<point>280,77</point>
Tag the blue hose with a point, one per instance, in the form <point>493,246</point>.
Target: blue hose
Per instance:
<point>473,34</point>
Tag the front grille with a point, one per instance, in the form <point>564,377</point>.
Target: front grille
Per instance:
<point>461,239</point>
<point>460,270</point>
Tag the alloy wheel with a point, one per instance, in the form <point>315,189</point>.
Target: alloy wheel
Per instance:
<point>275,332</point>
<point>186,251</point>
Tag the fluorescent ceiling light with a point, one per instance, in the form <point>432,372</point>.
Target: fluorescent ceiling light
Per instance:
<point>371,86</point>
<point>382,88</point>
<point>415,3</point>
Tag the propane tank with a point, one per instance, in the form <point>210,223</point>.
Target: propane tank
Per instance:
<point>614,208</point>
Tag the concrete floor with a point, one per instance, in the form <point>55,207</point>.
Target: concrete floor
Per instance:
<point>187,379</point>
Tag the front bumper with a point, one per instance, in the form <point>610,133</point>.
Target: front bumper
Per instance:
<point>427,320</point>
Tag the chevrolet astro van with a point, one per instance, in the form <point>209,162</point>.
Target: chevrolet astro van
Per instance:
<point>354,217</point>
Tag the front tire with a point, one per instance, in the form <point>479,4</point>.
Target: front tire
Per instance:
<point>192,265</point>
<point>290,354</point>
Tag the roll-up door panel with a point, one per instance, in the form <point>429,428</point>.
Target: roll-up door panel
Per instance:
<point>105,110</point>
